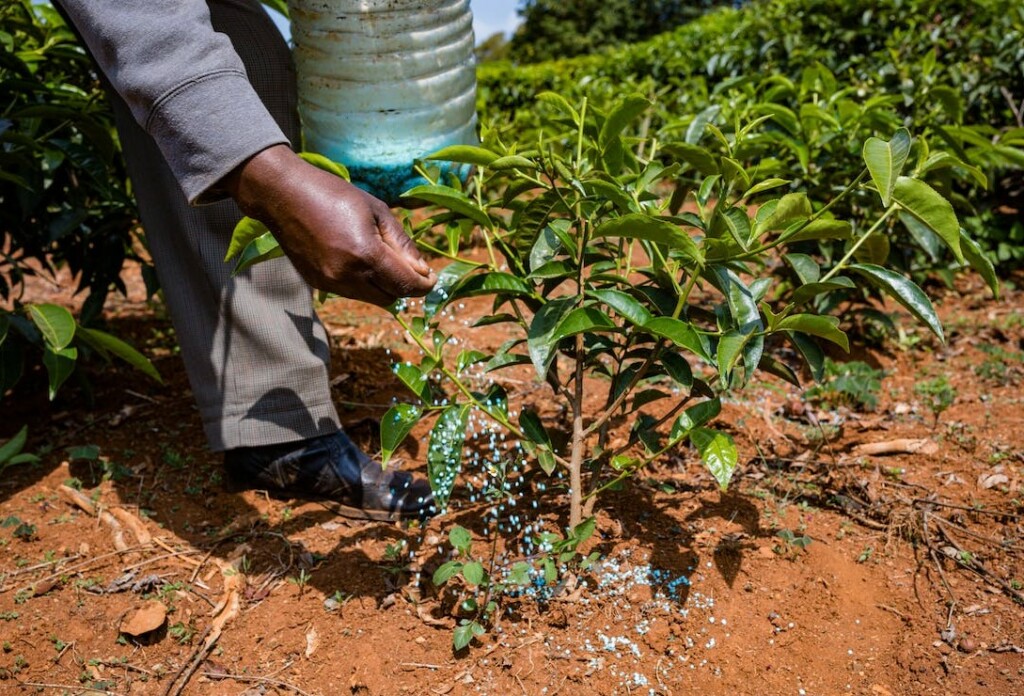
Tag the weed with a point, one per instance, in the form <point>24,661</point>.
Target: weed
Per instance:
<point>865,555</point>
<point>938,395</point>
<point>792,545</point>
<point>9,615</point>
<point>182,632</point>
<point>853,384</point>
<point>300,580</point>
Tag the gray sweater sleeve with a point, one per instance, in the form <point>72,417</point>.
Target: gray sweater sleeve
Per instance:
<point>184,83</point>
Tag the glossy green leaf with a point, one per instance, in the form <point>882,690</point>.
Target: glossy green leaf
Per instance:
<point>903,291</point>
<point>718,452</point>
<point>540,342</point>
<point>652,229</point>
<point>491,283</point>
<point>681,334</point>
<point>545,248</point>
<point>532,427</point>
<point>444,452</point>
<point>806,293</point>
<point>13,446</point>
<point>885,160</point>
<point>696,156</point>
<point>602,190</point>
<point>622,114</point>
<point>815,325</point>
<point>465,154</point>
<point>766,185</point>
<point>979,262</point>
<point>624,304</point>
<point>779,369</point>
<point>55,323</point>
<point>730,348</point>
<point>678,369</point>
<point>414,378</point>
<point>59,366</point>
<point>512,162</point>
<point>106,343</point>
<point>450,199</point>
<point>263,248</point>
<point>582,320</point>
<point>395,426</point>
<point>806,268</point>
<point>326,164</point>
<point>469,357</point>
<point>245,232</point>
<point>696,416</point>
<point>447,279</point>
<point>738,224</point>
<point>811,353</point>
<point>820,229</point>
<point>930,208</point>
<point>791,208</point>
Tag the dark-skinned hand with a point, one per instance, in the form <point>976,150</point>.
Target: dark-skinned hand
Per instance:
<point>339,237</point>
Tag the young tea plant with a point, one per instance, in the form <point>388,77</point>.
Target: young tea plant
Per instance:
<point>652,300</point>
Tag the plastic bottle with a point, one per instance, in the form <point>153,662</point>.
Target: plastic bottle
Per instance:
<point>384,82</point>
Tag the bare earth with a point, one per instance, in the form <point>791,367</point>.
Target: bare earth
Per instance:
<point>912,583</point>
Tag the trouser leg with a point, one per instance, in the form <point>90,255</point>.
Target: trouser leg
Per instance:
<point>256,354</point>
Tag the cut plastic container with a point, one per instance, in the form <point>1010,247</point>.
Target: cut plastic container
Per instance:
<point>383,83</point>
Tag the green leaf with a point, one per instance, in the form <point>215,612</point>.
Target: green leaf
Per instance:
<point>447,279</point>
<point>545,248</point>
<point>491,283</point>
<point>718,451</point>
<point>791,208</point>
<point>979,262</point>
<point>531,426</point>
<point>560,103</point>
<point>59,366</point>
<point>820,229</point>
<point>680,333</point>
<point>105,343</point>
<point>448,438</point>
<point>695,417</point>
<point>55,324</point>
<point>263,248</point>
<point>13,446</point>
<point>903,291</point>
<point>450,199</point>
<point>464,634</point>
<point>806,293</point>
<point>652,229</point>
<point>465,154</point>
<point>622,115</point>
<point>540,338</point>
<point>582,320</point>
<point>512,162</point>
<point>395,426</point>
<point>446,572</point>
<point>326,164</point>
<point>414,378</point>
<point>473,573</point>
<point>807,269</point>
<point>469,357</point>
<point>885,160</point>
<point>520,573</point>
<point>626,305</point>
<point>696,156</point>
<point>738,224</point>
<point>245,232</point>
<point>812,354</point>
<point>730,348</point>
<point>678,369</point>
<point>766,185</point>
<point>460,539</point>
<point>824,327</point>
<point>929,207</point>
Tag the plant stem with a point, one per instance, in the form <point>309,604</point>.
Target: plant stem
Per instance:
<point>859,243</point>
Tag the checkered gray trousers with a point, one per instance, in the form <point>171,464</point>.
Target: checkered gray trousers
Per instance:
<point>256,354</point>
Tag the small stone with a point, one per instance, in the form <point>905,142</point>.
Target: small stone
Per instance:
<point>968,645</point>
<point>149,618</point>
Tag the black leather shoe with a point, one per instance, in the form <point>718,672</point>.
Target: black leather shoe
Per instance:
<point>330,468</point>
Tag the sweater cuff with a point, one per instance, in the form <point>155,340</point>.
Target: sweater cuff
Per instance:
<point>235,126</point>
